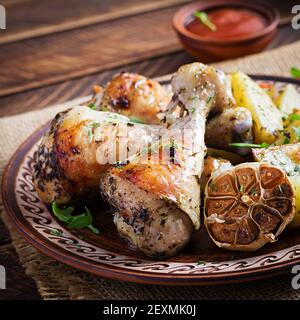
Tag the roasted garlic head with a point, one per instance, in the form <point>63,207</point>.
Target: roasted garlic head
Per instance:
<point>248,206</point>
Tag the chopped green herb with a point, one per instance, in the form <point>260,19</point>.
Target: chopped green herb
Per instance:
<point>253,192</point>
<point>204,18</point>
<point>249,145</point>
<point>90,134</point>
<point>294,117</point>
<point>201,262</point>
<point>208,100</point>
<point>104,108</point>
<point>295,72</point>
<point>193,110</point>
<point>136,120</point>
<point>92,105</point>
<point>241,188</point>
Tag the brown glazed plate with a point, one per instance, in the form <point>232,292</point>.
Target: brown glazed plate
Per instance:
<point>106,255</point>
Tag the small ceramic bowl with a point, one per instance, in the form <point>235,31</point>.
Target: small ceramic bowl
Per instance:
<point>210,49</point>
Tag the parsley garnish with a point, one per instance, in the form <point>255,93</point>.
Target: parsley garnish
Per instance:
<point>208,100</point>
<point>294,117</point>
<point>204,18</point>
<point>84,220</point>
<point>241,188</point>
<point>92,105</point>
<point>295,72</point>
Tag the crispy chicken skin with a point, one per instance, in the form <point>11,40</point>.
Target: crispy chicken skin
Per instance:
<point>76,151</point>
<point>158,205</point>
<point>136,97</point>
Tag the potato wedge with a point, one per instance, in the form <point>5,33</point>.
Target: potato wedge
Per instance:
<point>286,157</point>
<point>266,117</point>
<point>288,99</point>
<point>291,129</point>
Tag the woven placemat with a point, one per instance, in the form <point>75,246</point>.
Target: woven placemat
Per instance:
<point>57,281</point>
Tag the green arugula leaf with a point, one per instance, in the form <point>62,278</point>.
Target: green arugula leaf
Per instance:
<point>204,18</point>
<point>84,220</point>
<point>249,145</point>
<point>295,72</point>
<point>63,215</point>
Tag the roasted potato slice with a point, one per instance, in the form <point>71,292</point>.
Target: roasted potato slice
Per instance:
<point>288,99</point>
<point>267,118</point>
<point>291,132</point>
<point>248,206</point>
<point>287,158</point>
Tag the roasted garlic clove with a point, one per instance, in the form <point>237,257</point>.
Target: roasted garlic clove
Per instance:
<point>248,206</point>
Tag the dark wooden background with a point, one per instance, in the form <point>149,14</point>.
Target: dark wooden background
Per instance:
<point>53,51</point>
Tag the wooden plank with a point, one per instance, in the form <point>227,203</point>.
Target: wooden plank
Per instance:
<point>46,60</point>
<point>32,18</point>
<point>58,93</point>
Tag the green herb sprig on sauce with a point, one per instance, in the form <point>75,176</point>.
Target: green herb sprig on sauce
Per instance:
<point>204,18</point>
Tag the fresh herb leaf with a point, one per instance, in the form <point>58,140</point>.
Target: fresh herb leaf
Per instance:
<point>136,120</point>
<point>209,98</point>
<point>286,140</point>
<point>241,188</point>
<point>63,215</point>
<point>253,192</point>
<point>295,72</point>
<point>201,262</point>
<point>193,110</point>
<point>90,134</point>
<point>294,117</point>
<point>204,18</point>
<point>92,106</point>
<point>104,108</point>
<point>249,145</point>
<point>93,229</point>
<point>84,220</point>
<point>80,221</point>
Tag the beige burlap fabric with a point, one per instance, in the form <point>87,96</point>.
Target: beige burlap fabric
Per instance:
<point>57,281</point>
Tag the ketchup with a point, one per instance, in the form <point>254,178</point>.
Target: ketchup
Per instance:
<point>230,23</point>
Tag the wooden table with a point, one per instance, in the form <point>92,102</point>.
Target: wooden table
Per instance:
<point>53,51</point>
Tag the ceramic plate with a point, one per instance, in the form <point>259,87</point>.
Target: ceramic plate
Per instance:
<point>200,263</point>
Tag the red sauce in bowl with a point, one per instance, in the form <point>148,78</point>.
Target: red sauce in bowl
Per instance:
<point>230,23</point>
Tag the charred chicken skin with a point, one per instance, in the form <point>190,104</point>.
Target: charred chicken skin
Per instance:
<point>136,97</point>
